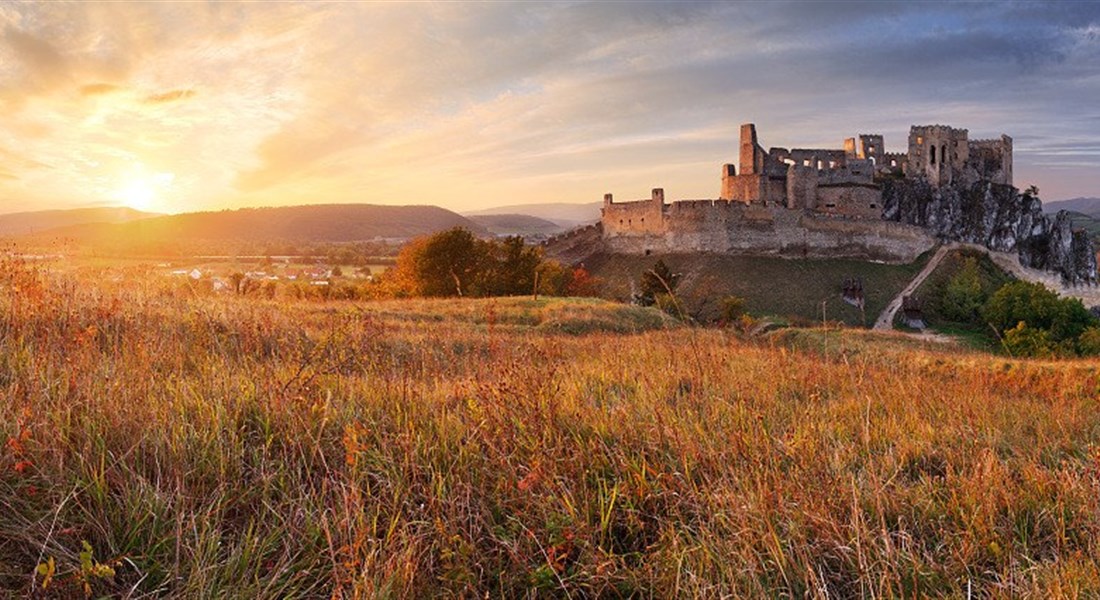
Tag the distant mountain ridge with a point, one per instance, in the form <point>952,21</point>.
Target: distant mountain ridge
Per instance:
<point>1086,206</point>
<point>525,225</point>
<point>565,214</point>
<point>309,223</point>
<point>22,223</point>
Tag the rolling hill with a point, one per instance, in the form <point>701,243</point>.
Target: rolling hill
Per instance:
<point>309,223</point>
<point>23,223</point>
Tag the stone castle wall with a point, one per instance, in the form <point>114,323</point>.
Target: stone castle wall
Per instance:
<point>731,227</point>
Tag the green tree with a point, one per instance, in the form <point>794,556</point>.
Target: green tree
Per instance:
<point>962,295</point>
<point>513,267</point>
<point>1019,301</point>
<point>1039,308</point>
<point>658,280</point>
<point>554,278</point>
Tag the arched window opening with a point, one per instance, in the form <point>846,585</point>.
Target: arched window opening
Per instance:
<point>932,156</point>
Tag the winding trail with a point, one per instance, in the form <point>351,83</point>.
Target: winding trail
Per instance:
<point>1090,295</point>
<point>885,321</point>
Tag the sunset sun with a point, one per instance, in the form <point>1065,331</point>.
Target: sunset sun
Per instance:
<point>141,191</point>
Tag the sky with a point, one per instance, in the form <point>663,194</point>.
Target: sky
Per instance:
<point>186,106</point>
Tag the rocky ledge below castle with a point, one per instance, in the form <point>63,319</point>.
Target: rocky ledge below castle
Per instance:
<point>999,217</point>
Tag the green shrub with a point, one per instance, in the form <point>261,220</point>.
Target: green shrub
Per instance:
<point>1088,343</point>
<point>1022,340</point>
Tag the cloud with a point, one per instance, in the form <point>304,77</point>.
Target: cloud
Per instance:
<point>169,96</point>
<point>98,89</point>
<point>464,104</point>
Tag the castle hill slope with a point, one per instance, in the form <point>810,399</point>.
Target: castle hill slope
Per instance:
<point>805,290</point>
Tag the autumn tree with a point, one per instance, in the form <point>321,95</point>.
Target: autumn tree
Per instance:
<point>445,264</point>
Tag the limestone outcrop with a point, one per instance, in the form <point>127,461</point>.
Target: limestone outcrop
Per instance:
<point>998,217</point>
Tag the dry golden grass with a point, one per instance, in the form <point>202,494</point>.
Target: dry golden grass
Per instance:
<point>225,447</point>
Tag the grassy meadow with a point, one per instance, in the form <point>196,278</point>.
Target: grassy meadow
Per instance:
<point>159,444</point>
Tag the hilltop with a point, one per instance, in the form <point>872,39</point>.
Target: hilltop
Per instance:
<point>1086,206</point>
<point>22,223</point>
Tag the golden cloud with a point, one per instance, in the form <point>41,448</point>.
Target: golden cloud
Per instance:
<point>169,96</point>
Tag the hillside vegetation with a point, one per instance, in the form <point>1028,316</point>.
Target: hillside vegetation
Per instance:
<point>170,445</point>
<point>786,288</point>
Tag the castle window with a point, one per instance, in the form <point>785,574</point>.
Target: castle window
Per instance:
<point>932,156</point>
<point>788,161</point>
<point>920,140</point>
<point>893,163</point>
<point>873,205</point>
<point>943,153</point>
<point>620,221</point>
<point>629,222</point>
<point>643,220</point>
<point>806,163</point>
<point>830,205</point>
<point>870,148</point>
<point>832,164</point>
<point>820,165</point>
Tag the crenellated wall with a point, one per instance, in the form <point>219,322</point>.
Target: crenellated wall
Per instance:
<point>634,218</point>
<point>720,226</point>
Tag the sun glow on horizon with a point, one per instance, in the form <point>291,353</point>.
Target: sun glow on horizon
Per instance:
<point>143,191</point>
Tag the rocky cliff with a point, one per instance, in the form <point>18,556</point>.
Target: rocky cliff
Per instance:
<point>999,217</point>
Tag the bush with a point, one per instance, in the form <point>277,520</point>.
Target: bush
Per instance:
<point>1022,340</point>
<point>670,304</point>
<point>1036,322</point>
<point>732,308</point>
<point>1088,343</point>
<point>1039,308</point>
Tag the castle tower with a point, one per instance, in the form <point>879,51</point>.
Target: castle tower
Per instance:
<point>938,153</point>
<point>752,155</point>
<point>871,147</point>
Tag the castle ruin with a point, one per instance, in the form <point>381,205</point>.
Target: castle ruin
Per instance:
<point>807,202</point>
